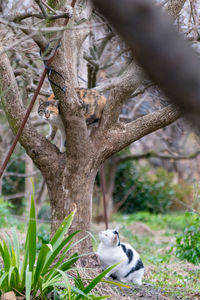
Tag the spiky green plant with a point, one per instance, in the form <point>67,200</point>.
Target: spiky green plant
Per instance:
<point>38,275</point>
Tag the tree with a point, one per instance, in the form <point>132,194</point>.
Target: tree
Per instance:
<point>70,176</point>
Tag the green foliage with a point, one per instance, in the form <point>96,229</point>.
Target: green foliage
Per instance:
<point>188,242</point>
<point>145,191</point>
<point>172,220</point>
<point>35,275</point>
<point>12,184</point>
<point>43,236</point>
<point>4,212</point>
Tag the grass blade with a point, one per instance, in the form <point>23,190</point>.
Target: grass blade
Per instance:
<point>58,249</point>
<point>6,256</point>
<point>66,265</point>
<point>32,234</point>
<point>41,261</point>
<point>16,246</point>
<point>67,283</point>
<point>28,284</point>
<point>62,229</point>
<point>119,284</point>
<point>4,282</point>
<point>25,262</point>
<point>97,279</point>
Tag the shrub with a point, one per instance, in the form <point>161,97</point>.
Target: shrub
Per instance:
<point>149,192</point>
<point>35,274</point>
<point>12,185</point>
<point>188,242</point>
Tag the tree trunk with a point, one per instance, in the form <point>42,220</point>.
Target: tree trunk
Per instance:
<point>73,189</point>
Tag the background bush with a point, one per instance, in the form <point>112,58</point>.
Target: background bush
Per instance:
<point>153,192</point>
<point>188,242</point>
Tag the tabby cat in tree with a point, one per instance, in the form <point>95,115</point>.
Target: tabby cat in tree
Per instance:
<point>48,110</point>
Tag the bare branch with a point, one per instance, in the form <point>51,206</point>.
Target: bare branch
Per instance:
<point>47,6</point>
<point>53,29</point>
<point>31,14</point>
<point>124,134</point>
<point>6,174</point>
<point>39,3</point>
<point>124,87</point>
<point>122,158</point>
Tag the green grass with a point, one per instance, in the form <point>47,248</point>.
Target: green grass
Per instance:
<point>174,221</point>
<point>163,269</point>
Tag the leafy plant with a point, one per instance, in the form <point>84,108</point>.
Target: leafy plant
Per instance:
<point>188,242</point>
<point>35,275</point>
<point>43,236</point>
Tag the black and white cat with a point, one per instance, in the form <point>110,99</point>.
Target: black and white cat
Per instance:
<point>111,251</point>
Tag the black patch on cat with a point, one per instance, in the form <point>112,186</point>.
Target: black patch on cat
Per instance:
<point>117,233</point>
<point>123,248</point>
<point>139,265</point>
<point>114,277</point>
<point>129,254</point>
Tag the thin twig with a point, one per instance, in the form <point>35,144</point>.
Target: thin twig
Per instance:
<point>6,174</point>
<point>42,8</point>
<point>49,29</point>
<point>47,6</point>
<point>17,42</point>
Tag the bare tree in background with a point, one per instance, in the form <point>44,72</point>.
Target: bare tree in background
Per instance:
<point>70,176</point>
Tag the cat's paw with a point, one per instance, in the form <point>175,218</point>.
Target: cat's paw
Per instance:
<point>49,138</point>
<point>62,149</point>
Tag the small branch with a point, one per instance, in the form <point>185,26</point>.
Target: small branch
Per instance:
<point>19,17</point>
<point>32,88</point>
<point>137,105</point>
<point>142,90</point>
<point>42,8</point>
<point>7,174</point>
<point>48,29</point>
<point>123,158</point>
<point>121,202</point>
<point>18,42</point>
<point>47,6</point>
<point>124,87</point>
